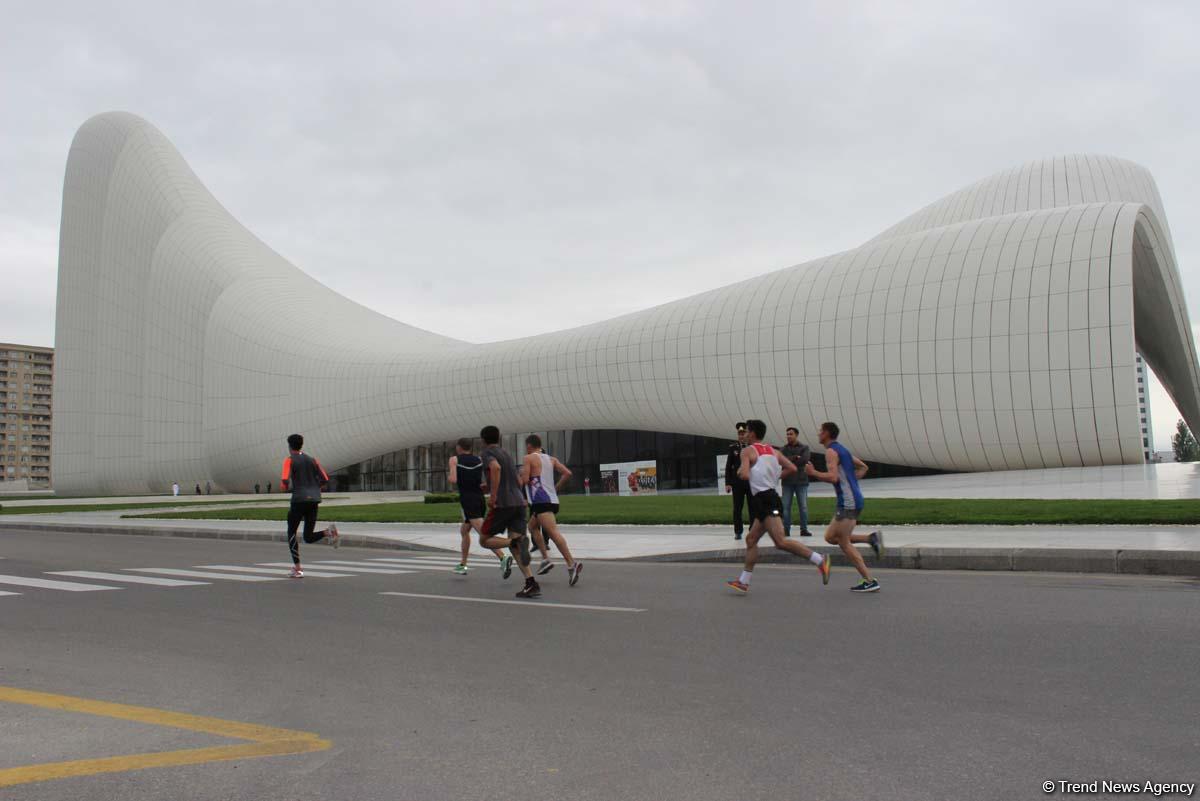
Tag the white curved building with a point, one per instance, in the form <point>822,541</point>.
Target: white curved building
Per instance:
<point>994,329</point>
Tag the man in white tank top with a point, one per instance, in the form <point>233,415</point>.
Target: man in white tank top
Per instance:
<point>537,476</point>
<point>762,465</point>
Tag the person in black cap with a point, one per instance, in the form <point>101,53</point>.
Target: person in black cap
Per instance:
<point>739,487</point>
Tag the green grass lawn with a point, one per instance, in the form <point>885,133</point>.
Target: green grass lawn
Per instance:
<point>49,509</point>
<point>712,509</point>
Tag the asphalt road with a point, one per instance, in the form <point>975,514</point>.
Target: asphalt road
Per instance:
<point>944,685</point>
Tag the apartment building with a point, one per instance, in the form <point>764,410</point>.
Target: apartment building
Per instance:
<point>26,389</point>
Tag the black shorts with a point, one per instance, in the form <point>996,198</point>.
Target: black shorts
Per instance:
<point>542,508</point>
<point>504,518</point>
<point>765,504</point>
<point>474,507</point>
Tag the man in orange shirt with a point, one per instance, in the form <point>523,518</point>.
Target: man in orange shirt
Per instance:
<point>304,477</point>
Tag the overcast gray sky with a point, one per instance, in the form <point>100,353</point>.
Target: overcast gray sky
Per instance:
<point>599,158</point>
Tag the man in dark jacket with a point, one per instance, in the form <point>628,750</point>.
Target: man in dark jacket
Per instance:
<point>796,484</point>
<point>740,488</point>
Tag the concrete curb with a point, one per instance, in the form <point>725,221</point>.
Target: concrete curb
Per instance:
<point>1032,560</point>
<point>1028,560</point>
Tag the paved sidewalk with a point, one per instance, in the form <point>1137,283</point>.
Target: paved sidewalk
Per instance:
<point>1171,550</point>
<point>214,502</point>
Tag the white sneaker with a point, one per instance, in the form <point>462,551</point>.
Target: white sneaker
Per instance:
<point>296,572</point>
<point>332,537</point>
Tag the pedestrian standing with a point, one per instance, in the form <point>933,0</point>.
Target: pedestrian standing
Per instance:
<point>175,488</point>
<point>734,484</point>
<point>795,485</point>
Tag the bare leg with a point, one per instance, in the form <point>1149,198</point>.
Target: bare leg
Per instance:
<point>840,533</point>
<point>783,542</point>
<point>548,523</point>
<point>515,550</point>
<point>539,540</point>
<point>465,532</point>
<point>494,543</point>
<point>752,538</point>
<point>477,524</point>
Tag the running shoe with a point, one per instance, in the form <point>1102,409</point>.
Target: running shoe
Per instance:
<point>805,533</point>
<point>545,567</point>
<point>738,586</point>
<point>460,570</point>
<point>824,569</point>
<point>332,537</point>
<point>530,590</point>
<point>506,566</point>
<point>866,585</point>
<point>574,573</point>
<point>296,572</point>
<point>876,542</point>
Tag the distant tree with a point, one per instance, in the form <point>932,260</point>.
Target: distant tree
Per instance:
<point>1184,444</point>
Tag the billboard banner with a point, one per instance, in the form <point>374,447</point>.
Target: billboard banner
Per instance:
<point>629,478</point>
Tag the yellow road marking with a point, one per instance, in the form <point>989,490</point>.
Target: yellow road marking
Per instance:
<point>264,740</point>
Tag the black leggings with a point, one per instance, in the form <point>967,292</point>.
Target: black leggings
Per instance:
<point>306,511</point>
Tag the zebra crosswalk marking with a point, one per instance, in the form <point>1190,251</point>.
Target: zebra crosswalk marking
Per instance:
<point>427,564</point>
<point>160,582</point>
<point>272,571</point>
<point>346,568</point>
<point>170,571</point>
<point>51,584</point>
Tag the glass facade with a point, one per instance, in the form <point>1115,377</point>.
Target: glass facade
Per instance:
<point>684,461</point>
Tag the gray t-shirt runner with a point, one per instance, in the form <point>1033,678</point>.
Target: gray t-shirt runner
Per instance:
<point>508,493</point>
<point>799,455</point>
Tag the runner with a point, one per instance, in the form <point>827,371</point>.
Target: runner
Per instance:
<point>538,477</point>
<point>466,473</point>
<point>305,477</point>
<point>761,468</point>
<point>506,508</point>
<point>843,471</point>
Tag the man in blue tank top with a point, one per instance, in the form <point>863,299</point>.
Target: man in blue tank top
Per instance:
<point>843,470</point>
<point>465,472</point>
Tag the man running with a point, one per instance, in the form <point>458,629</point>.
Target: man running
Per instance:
<point>506,508</point>
<point>843,471</point>
<point>466,473</point>
<point>305,476</point>
<point>538,477</point>
<point>761,468</point>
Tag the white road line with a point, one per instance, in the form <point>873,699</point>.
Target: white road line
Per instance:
<point>446,560</point>
<point>170,571</point>
<point>531,602</point>
<point>161,582</point>
<point>50,584</point>
<point>272,570</point>
<point>348,569</point>
<point>424,565</point>
<point>2,592</point>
